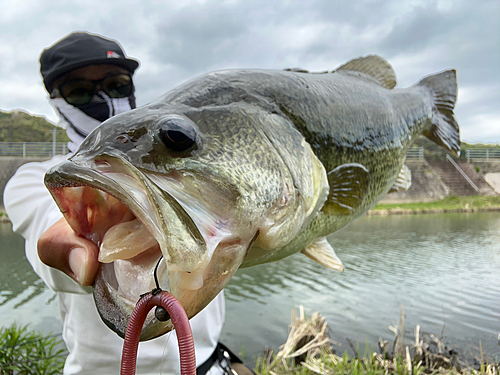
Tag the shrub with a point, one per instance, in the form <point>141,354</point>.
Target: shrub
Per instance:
<point>26,352</point>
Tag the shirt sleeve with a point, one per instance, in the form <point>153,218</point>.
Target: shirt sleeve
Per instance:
<point>32,211</point>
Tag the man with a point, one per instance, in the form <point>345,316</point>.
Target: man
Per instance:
<point>89,79</point>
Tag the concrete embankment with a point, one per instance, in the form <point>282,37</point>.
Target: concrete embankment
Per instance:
<point>491,171</point>
<point>427,184</point>
<point>8,167</point>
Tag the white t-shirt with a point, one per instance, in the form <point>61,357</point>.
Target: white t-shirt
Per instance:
<point>93,347</point>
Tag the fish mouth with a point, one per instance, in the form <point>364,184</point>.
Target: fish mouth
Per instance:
<point>134,223</point>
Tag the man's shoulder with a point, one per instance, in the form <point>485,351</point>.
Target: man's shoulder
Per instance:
<point>44,165</point>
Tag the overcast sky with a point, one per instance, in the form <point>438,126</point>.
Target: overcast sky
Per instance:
<point>180,39</point>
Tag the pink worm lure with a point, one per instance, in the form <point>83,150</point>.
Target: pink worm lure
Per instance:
<point>181,325</point>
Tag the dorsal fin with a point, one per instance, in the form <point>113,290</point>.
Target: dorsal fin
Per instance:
<point>374,66</point>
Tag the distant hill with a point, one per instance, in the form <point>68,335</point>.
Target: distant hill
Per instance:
<point>19,126</point>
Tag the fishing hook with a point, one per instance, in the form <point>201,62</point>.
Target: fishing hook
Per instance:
<point>160,312</point>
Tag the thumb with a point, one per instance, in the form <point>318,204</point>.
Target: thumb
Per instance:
<point>82,265</point>
<point>60,247</point>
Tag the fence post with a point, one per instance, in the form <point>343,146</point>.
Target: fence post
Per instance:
<point>24,150</point>
<point>421,153</point>
<point>54,142</point>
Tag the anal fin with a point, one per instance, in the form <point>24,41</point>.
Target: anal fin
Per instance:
<point>403,181</point>
<point>322,252</point>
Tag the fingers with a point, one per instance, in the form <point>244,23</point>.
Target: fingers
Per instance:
<point>60,247</point>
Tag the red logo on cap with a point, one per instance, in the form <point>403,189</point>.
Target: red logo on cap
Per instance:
<point>113,55</point>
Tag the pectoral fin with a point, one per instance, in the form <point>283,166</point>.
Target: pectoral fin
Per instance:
<point>348,187</point>
<point>403,181</point>
<point>322,252</point>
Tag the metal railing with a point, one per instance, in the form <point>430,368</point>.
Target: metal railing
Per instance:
<point>415,153</point>
<point>482,154</point>
<point>33,149</point>
<point>41,149</point>
<point>450,159</point>
<point>36,149</point>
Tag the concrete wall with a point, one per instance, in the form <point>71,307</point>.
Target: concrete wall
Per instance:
<point>487,166</point>
<point>9,166</point>
<point>426,185</point>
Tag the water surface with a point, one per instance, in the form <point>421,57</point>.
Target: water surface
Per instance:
<point>443,268</point>
<point>24,298</point>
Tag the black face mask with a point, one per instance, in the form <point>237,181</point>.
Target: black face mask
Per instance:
<point>80,121</point>
<point>105,107</point>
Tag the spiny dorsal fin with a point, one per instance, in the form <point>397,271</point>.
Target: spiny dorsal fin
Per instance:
<point>322,252</point>
<point>403,181</point>
<point>374,66</point>
<point>296,70</point>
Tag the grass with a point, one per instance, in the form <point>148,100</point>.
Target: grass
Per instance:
<point>370,364</point>
<point>26,352</point>
<point>3,217</point>
<point>308,351</point>
<point>328,363</point>
<point>471,203</point>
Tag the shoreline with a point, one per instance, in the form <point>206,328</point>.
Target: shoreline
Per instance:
<point>408,211</point>
<point>450,204</point>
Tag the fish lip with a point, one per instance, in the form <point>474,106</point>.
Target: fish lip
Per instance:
<point>66,175</point>
<point>73,174</point>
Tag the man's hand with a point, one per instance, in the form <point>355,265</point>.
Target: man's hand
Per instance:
<point>61,248</point>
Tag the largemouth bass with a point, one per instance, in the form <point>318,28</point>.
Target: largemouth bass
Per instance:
<point>241,167</point>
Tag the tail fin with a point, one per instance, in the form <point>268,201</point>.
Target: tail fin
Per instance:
<point>444,130</point>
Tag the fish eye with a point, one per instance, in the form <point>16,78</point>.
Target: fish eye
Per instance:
<point>177,134</point>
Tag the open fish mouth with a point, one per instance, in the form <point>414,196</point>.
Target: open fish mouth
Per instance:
<point>134,222</point>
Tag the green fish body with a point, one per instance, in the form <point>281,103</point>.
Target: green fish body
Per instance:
<point>242,167</point>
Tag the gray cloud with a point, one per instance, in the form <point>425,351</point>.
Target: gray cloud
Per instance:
<point>177,40</point>
<point>197,38</point>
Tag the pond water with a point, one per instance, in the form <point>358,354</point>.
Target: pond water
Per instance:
<point>443,268</point>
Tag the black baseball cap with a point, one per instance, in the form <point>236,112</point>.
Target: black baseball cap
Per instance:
<point>78,50</point>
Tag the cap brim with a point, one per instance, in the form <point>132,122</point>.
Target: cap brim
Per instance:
<point>130,64</point>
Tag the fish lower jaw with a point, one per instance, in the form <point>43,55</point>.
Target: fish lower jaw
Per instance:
<point>132,279</point>
<point>119,285</point>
